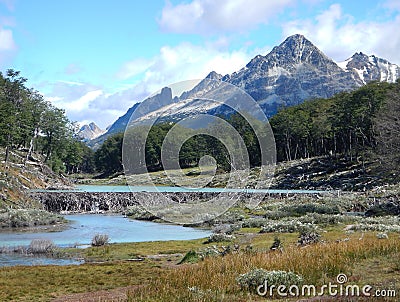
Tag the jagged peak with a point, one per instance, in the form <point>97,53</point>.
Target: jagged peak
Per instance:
<point>256,60</point>
<point>214,76</point>
<point>296,38</point>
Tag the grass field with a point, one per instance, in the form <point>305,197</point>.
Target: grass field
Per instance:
<point>363,257</point>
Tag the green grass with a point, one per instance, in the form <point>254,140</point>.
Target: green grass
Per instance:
<point>42,283</point>
<point>124,251</point>
<point>368,260</point>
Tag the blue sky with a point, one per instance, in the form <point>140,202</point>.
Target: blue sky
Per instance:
<point>96,59</point>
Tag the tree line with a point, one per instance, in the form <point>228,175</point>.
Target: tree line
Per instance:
<point>29,122</point>
<point>349,125</point>
<point>361,125</point>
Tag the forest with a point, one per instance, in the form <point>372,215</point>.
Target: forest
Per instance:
<point>29,122</point>
<point>361,125</point>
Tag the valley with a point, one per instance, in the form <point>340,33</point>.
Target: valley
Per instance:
<point>306,147</point>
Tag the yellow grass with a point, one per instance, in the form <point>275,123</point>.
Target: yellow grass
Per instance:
<point>215,278</point>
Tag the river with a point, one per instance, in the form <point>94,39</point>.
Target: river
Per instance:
<point>82,229</point>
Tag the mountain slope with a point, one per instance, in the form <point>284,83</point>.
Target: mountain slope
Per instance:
<point>89,132</point>
<point>291,73</point>
<point>366,68</point>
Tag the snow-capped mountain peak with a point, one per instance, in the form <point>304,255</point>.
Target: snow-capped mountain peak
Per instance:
<point>367,68</point>
<point>89,132</point>
<point>294,71</point>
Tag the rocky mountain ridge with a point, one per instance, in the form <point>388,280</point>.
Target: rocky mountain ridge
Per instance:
<point>291,73</point>
<point>89,132</point>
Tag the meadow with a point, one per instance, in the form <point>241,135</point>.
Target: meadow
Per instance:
<point>316,238</point>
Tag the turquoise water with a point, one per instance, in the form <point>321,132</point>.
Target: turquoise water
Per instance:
<point>82,229</point>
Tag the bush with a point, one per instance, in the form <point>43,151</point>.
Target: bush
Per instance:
<point>100,240</point>
<point>291,226</point>
<point>389,208</point>
<point>307,238</point>
<point>219,237</point>
<point>302,209</point>
<point>374,227</point>
<point>259,276</point>
<point>254,222</point>
<point>227,228</point>
<point>276,245</point>
<point>211,251</point>
<point>382,236</point>
<point>41,246</point>
<point>190,257</point>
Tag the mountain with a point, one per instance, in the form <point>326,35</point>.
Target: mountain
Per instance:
<point>366,68</point>
<point>89,132</point>
<point>291,73</point>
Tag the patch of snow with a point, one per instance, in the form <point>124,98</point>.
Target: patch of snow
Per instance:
<point>371,59</point>
<point>343,64</point>
<point>360,73</point>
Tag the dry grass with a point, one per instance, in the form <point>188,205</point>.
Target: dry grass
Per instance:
<point>215,278</point>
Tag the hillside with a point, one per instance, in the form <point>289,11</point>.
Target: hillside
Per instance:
<point>294,71</point>
<point>17,209</point>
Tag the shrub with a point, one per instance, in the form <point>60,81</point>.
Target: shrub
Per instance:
<point>307,238</point>
<point>227,228</point>
<point>219,237</point>
<point>190,257</point>
<point>210,251</point>
<point>254,222</point>
<point>302,209</point>
<point>41,246</point>
<point>382,236</point>
<point>379,227</point>
<point>389,208</point>
<point>276,245</point>
<point>259,276</point>
<point>291,226</point>
<point>100,240</point>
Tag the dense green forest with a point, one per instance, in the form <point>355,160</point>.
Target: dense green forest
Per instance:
<point>362,125</point>
<point>30,123</point>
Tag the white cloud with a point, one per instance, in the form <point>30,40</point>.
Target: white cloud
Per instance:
<point>185,61</point>
<point>85,102</point>
<point>70,83</point>
<point>340,36</point>
<point>133,68</point>
<point>392,4</point>
<point>6,40</point>
<point>210,16</point>
<point>77,105</point>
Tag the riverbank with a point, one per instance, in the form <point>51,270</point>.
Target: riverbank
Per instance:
<point>17,177</point>
<point>153,271</point>
<point>271,236</point>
